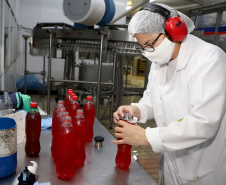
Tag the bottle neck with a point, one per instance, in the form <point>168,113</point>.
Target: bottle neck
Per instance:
<point>34,109</point>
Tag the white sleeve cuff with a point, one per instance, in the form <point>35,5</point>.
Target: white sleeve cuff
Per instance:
<point>143,113</point>
<point>153,137</point>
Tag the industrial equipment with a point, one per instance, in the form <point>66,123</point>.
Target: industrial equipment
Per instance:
<point>109,45</point>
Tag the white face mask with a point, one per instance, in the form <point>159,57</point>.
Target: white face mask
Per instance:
<point>162,53</point>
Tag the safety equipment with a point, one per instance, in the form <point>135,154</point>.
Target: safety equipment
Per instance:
<point>162,53</point>
<point>149,22</point>
<point>175,28</point>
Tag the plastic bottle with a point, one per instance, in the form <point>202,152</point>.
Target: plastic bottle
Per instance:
<point>61,116</point>
<point>74,107</point>
<point>2,108</point>
<point>60,104</point>
<point>123,156</point>
<point>33,131</point>
<point>67,97</point>
<point>89,114</point>
<point>8,103</point>
<point>54,126</point>
<point>65,150</point>
<point>80,129</point>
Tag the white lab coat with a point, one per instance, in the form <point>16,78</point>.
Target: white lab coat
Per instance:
<point>194,149</point>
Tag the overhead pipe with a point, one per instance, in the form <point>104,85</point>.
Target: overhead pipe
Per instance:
<point>130,10</point>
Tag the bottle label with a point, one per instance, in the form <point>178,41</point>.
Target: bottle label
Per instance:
<point>8,142</point>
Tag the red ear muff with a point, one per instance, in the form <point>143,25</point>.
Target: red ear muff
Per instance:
<point>176,29</point>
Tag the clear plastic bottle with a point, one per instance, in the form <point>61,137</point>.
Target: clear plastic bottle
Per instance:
<point>8,103</point>
<point>89,114</point>
<point>2,108</point>
<point>65,150</point>
<point>80,129</point>
<point>33,131</point>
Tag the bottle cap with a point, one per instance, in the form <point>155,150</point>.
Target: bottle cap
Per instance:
<point>73,94</point>
<point>34,104</point>
<point>79,111</point>
<point>69,90</point>
<point>98,141</point>
<point>75,97</point>
<point>89,98</point>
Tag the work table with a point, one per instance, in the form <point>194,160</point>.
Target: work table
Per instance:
<point>99,167</point>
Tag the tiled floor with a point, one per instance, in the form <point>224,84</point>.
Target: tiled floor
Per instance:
<point>144,155</point>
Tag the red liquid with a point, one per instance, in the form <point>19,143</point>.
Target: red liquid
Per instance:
<point>73,109</point>
<point>55,122</point>
<point>65,151</point>
<point>89,114</point>
<point>33,130</point>
<point>123,156</point>
<point>59,121</point>
<point>80,129</point>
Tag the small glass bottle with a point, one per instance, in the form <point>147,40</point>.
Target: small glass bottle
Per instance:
<point>33,131</point>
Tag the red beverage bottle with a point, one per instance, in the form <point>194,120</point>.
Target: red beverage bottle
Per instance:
<point>74,107</point>
<point>65,150</point>
<point>123,156</point>
<point>67,98</point>
<point>89,114</point>
<point>60,104</point>
<point>54,125</point>
<point>33,131</point>
<point>80,138</point>
<point>59,121</point>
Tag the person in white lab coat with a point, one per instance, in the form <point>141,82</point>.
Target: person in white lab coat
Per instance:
<point>186,95</point>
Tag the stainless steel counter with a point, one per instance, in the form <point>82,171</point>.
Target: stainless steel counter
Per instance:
<point>99,168</point>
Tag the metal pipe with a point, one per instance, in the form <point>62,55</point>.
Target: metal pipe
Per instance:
<point>113,90</point>
<point>218,24</point>
<point>25,63</point>
<point>130,10</point>
<point>49,73</point>
<point>99,75</point>
<point>81,82</point>
<point>2,27</point>
<point>44,72</point>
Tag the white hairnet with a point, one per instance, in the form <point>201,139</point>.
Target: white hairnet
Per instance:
<point>149,22</point>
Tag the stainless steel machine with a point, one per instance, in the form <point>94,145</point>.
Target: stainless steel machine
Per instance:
<point>109,45</point>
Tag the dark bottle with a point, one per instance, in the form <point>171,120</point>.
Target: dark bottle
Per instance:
<point>33,131</point>
<point>89,114</point>
<point>123,156</point>
<point>80,129</point>
<point>65,150</point>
